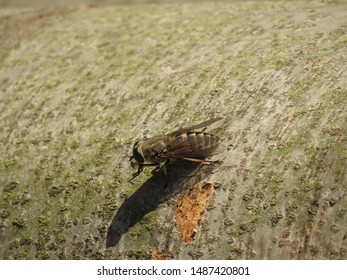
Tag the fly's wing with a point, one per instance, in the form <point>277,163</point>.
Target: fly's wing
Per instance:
<point>193,144</point>
<point>195,127</point>
<point>204,124</point>
<point>200,153</point>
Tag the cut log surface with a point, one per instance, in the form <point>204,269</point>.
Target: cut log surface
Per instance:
<point>80,84</point>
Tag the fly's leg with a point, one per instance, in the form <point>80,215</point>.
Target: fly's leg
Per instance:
<point>165,170</point>
<point>157,167</point>
<point>140,169</point>
<point>137,173</point>
<point>200,160</point>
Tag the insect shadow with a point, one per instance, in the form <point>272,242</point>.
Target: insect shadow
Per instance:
<point>181,175</point>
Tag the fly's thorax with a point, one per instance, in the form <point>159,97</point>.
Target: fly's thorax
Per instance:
<point>153,149</point>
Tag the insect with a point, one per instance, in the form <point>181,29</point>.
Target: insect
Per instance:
<point>193,144</point>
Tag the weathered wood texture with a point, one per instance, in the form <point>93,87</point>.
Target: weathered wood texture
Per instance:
<point>79,85</point>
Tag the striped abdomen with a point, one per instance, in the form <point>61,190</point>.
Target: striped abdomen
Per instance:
<point>193,144</point>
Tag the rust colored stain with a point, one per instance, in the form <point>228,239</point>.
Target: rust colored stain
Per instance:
<point>162,255</point>
<point>191,207</point>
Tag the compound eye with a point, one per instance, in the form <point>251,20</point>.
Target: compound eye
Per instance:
<point>137,155</point>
